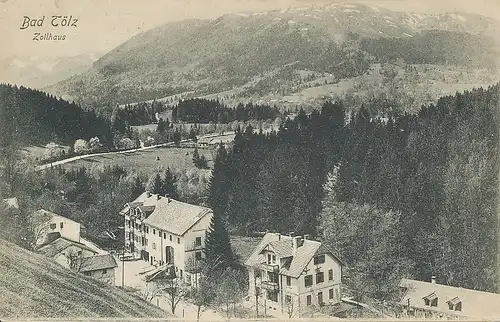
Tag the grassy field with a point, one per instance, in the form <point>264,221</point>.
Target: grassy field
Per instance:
<point>146,161</point>
<point>33,287</point>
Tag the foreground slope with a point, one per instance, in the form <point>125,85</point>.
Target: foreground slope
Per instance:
<point>32,286</point>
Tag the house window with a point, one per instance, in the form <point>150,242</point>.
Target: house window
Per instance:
<point>164,235</point>
<point>61,225</point>
<point>53,226</point>
<point>458,307</point>
<point>170,237</point>
<point>146,241</point>
<point>79,253</point>
<point>330,293</point>
<point>308,300</point>
<point>154,231</point>
<point>330,274</point>
<point>104,271</point>
<point>198,241</point>
<point>178,240</point>
<point>319,259</point>
<point>320,277</point>
<point>269,258</point>
<point>288,299</point>
<point>431,300</point>
<point>154,245</point>
<point>320,298</point>
<point>86,273</point>
<point>288,281</point>
<point>308,280</point>
<point>272,296</point>
<point>197,255</point>
<point>274,259</point>
<point>180,273</point>
<point>147,230</point>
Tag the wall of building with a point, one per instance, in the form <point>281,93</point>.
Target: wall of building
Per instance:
<point>106,275</point>
<point>335,284</point>
<point>69,229</point>
<point>63,257</point>
<point>297,290</point>
<point>199,230</point>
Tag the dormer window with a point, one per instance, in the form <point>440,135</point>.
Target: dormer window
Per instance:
<point>455,304</point>
<point>319,259</point>
<point>431,300</point>
<point>53,226</point>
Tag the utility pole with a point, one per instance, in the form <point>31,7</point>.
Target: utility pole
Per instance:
<point>123,264</point>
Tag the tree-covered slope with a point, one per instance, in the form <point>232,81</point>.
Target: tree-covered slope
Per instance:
<point>211,56</point>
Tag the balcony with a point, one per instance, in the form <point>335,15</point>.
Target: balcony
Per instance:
<point>270,286</point>
<point>274,268</point>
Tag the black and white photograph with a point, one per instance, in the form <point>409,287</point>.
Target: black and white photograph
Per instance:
<point>264,160</point>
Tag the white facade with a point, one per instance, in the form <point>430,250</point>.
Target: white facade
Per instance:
<point>171,241</point>
<point>317,283</point>
<point>53,223</point>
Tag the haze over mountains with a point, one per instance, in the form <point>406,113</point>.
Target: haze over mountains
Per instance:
<point>264,53</point>
<point>38,72</point>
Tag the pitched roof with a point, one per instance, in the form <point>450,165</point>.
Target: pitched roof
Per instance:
<point>93,246</point>
<point>60,244</point>
<point>138,202</point>
<point>175,216</point>
<point>43,212</point>
<point>475,304</point>
<point>294,264</point>
<point>94,263</point>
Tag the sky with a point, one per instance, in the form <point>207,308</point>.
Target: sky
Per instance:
<point>104,24</point>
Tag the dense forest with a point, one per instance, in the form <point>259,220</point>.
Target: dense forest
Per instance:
<point>199,110</point>
<point>421,188</point>
<point>33,117</point>
<point>435,47</point>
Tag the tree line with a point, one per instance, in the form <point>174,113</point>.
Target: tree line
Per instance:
<point>198,110</point>
<point>30,116</point>
<point>428,181</point>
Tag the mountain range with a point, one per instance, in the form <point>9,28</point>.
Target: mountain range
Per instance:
<point>252,55</point>
<point>38,72</point>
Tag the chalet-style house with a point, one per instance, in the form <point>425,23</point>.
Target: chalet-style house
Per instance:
<point>432,300</point>
<point>59,238</point>
<point>287,274</point>
<point>164,231</point>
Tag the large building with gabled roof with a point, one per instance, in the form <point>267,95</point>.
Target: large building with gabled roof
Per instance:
<point>433,300</point>
<point>290,273</point>
<point>164,231</point>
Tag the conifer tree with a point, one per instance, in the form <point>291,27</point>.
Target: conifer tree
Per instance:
<point>168,185</point>
<point>137,187</point>
<point>155,185</point>
<point>217,246</point>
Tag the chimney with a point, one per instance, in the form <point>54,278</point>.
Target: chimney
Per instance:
<point>279,236</point>
<point>297,242</point>
<point>158,197</point>
<point>306,236</point>
<point>148,194</point>
<point>433,279</point>
<point>167,197</point>
<point>290,234</point>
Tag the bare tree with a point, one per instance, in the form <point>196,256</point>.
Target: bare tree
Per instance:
<point>39,227</point>
<point>290,309</point>
<point>74,258</point>
<point>174,292</point>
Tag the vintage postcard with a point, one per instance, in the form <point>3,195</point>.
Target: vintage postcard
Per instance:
<point>249,160</point>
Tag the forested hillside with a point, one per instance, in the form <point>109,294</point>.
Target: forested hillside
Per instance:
<point>410,195</point>
<point>30,117</point>
<point>268,53</point>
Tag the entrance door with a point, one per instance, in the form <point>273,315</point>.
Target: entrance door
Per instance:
<point>169,254</point>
